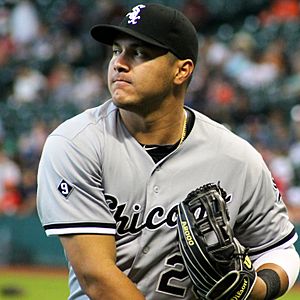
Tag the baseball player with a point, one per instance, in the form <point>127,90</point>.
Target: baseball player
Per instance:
<point>110,179</point>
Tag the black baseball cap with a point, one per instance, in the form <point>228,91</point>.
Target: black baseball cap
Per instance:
<point>155,24</point>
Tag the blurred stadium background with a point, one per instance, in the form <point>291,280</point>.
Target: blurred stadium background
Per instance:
<point>248,77</point>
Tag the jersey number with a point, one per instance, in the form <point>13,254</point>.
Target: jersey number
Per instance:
<point>169,279</point>
<point>65,188</point>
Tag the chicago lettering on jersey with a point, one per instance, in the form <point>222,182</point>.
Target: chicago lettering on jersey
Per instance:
<point>134,222</point>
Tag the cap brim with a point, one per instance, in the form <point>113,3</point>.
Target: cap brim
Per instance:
<point>106,34</point>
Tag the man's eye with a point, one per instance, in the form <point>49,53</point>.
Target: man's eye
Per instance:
<point>140,53</point>
<point>116,51</point>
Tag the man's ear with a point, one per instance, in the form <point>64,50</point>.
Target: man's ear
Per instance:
<point>185,69</point>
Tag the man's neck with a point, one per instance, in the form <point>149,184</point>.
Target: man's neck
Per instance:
<point>158,128</point>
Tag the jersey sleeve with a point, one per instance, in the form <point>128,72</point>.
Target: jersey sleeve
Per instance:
<point>70,198</point>
<point>263,223</point>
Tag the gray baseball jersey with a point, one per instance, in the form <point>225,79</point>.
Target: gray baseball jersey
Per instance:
<point>94,177</point>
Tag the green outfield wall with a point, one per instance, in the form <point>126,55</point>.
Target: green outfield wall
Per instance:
<point>23,241</point>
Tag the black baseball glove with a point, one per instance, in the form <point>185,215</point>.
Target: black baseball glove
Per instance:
<point>217,263</point>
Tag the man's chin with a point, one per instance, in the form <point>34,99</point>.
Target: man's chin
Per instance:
<point>128,105</point>
<point>121,103</point>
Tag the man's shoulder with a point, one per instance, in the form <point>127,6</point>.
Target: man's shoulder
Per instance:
<point>222,137</point>
<point>90,119</point>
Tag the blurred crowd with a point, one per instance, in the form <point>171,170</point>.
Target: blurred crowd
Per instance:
<point>247,77</point>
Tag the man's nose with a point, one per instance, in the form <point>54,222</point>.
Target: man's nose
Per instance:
<point>121,63</point>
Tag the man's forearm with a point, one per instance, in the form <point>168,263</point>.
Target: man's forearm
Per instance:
<point>117,286</point>
<point>93,260</point>
<point>272,281</point>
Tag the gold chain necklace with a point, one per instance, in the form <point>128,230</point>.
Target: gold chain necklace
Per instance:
<point>183,134</point>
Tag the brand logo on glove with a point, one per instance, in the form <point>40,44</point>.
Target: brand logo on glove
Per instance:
<point>187,233</point>
<point>248,263</point>
<point>241,291</point>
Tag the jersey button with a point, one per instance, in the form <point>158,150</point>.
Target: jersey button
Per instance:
<point>146,250</point>
<point>156,189</point>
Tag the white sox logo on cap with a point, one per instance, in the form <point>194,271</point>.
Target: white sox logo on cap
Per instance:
<point>134,15</point>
